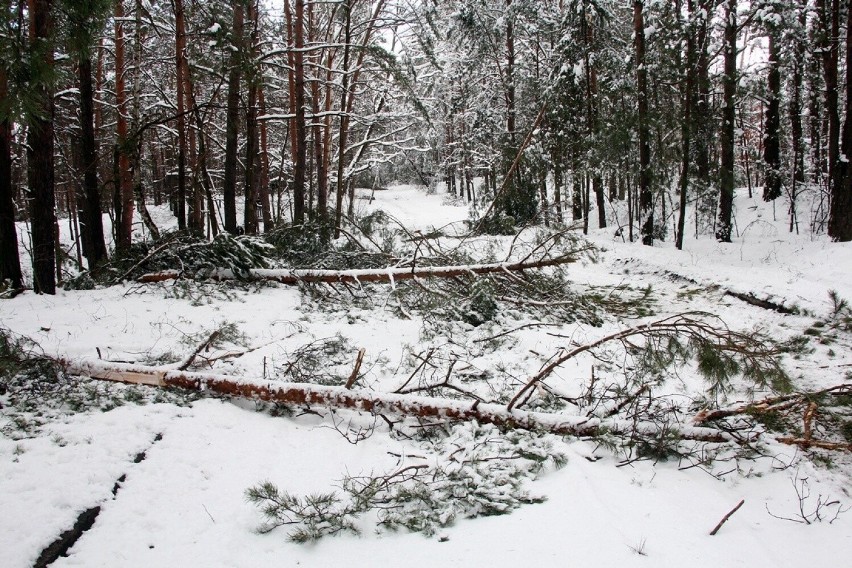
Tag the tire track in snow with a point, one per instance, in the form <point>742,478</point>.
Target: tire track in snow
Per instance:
<point>86,520</point>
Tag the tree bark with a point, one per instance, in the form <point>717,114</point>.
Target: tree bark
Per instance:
<point>180,95</point>
<point>318,134</point>
<point>773,176</point>
<point>840,214</point>
<point>687,124</point>
<point>703,122</point>
<point>795,111</point>
<point>829,45</point>
<point>646,198</point>
<point>350,80</point>
<point>91,220</point>
<point>344,119</point>
<point>10,261</point>
<point>265,203</point>
<point>124,189</point>
<point>593,124</point>
<point>232,127</point>
<point>138,133</point>
<point>40,153</point>
<point>815,110</point>
<point>300,162</point>
<point>557,186</point>
<point>510,74</point>
<point>726,171</point>
<point>253,80</point>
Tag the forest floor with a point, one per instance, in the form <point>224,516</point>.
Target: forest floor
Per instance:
<point>170,473</point>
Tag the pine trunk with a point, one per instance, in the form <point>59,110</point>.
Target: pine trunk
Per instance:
<point>300,161</point>
<point>265,204</point>
<point>253,79</point>
<point>646,198</point>
<point>840,216</point>
<point>726,171</point>
<point>91,221</point>
<point>344,119</point>
<point>687,125</point>
<point>232,127</point>
<point>703,120</point>
<point>10,261</point>
<point>815,110</point>
<point>40,154</point>
<point>795,111</point>
<point>124,190</point>
<point>136,167</point>
<point>829,15</point>
<point>318,132</point>
<point>773,176</point>
<point>180,95</point>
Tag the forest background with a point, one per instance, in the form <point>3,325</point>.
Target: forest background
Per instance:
<point>557,109</point>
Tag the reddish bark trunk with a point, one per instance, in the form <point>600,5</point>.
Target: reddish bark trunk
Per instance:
<point>124,191</point>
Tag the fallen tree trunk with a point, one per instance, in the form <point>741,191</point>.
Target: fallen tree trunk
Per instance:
<point>380,403</point>
<point>386,275</point>
<point>755,301</point>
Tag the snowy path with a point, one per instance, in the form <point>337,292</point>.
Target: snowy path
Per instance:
<point>184,506</point>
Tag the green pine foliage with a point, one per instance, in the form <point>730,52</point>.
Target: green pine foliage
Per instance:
<point>239,254</point>
<point>472,471</point>
<point>481,305</point>
<point>193,256</point>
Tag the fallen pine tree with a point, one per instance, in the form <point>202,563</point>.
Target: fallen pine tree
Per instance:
<point>380,403</point>
<point>720,353</point>
<point>374,402</point>
<point>385,275</point>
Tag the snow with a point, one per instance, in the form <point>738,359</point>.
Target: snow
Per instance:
<point>184,504</point>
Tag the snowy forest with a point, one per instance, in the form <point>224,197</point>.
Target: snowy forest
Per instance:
<point>274,271</point>
<point>560,108</point>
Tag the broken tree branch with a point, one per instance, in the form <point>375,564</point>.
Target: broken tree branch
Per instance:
<point>693,326</point>
<point>808,421</point>
<point>768,404</point>
<point>726,517</point>
<point>354,376</point>
<point>185,364</point>
<point>806,443</point>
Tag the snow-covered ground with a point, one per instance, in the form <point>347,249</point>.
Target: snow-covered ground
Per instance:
<point>184,504</point>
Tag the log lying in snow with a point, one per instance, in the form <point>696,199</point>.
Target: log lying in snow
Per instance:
<point>377,402</point>
<point>387,275</point>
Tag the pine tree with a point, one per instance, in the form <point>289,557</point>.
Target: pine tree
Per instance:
<point>840,216</point>
<point>773,176</point>
<point>646,198</point>
<point>724,227</point>
<point>40,149</point>
<point>86,19</point>
<point>10,262</point>
<point>233,120</point>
